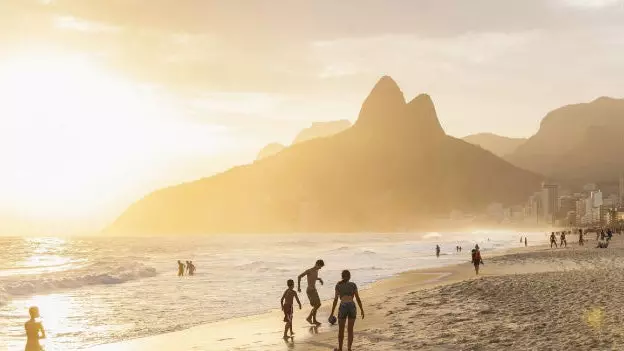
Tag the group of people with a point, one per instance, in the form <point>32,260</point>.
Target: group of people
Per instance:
<point>603,237</point>
<point>562,237</point>
<point>345,291</point>
<point>188,268</point>
<point>525,241</point>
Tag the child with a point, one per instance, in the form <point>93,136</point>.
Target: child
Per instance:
<point>287,306</point>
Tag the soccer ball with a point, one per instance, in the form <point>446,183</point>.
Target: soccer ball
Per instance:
<point>332,320</point>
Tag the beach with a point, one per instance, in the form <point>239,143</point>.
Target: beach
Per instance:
<point>103,291</point>
<point>525,299</point>
<point>534,299</point>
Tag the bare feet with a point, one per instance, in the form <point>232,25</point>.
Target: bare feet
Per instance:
<point>317,323</point>
<point>309,319</point>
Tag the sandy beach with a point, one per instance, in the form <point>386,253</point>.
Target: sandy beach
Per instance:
<point>536,299</point>
<point>525,299</point>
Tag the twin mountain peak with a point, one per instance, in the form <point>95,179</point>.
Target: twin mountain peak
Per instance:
<point>385,108</point>
<point>395,169</point>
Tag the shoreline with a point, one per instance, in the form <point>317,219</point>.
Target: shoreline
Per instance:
<point>263,331</point>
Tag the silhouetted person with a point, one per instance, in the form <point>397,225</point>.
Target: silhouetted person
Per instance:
<point>34,331</point>
<point>581,240</point>
<point>476,259</point>
<point>190,267</point>
<point>180,268</point>
<point>563,240</point>
<point>525,241</point>
<point>346,291</point>
<point>553,240</point>
<point>437,250</point>
<point>315,301</point>
<point>287,306</point>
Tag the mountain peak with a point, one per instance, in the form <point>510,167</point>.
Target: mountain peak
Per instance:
<point>385,101</point>
<point>425,118</point>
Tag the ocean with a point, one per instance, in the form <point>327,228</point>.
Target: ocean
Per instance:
<point>97,290</point>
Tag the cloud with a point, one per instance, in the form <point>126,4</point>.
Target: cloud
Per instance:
<point>593,3</point>
<point>73,23</point>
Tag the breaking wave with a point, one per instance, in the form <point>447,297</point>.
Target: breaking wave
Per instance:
<point>97,274</point>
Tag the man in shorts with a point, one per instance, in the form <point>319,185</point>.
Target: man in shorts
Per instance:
<point>315,301</point>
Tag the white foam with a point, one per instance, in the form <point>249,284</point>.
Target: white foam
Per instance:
<point>73,279</point>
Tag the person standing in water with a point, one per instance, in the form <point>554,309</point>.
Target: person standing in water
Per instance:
<point>34,331</point>
<point>525,241</point>
<point>437,250</point>
<point>191,268</point>
<point>315,301</point>
<point>180,268</point>
<point>346,291</point>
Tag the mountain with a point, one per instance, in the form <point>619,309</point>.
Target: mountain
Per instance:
<point>496,144</point>
<point>577,143</point>
<point>270,150</point>
<point>395,168</point>
<point>322,130</point>
<point>316,130</point>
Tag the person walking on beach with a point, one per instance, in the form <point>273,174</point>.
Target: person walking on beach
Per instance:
<point>553,240</point>
<point>581,240</point>
<point>476,259</point>
<point>563,240</point>
<point>315,301</point>
<point>34,331</point>
<point>287,306</point>
<point>180,268</point>
<point>437,250</point>
<point>346,291</point>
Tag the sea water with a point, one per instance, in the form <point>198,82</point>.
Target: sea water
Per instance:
<point>93,291</point>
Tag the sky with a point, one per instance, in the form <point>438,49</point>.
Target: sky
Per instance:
<point>103,101</point>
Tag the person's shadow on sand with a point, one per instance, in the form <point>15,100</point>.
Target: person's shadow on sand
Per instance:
<point>313,329</point>
<point>290,343</point>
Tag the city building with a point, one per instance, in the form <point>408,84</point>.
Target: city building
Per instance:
<point>621,202</point>
<point>550,202</point>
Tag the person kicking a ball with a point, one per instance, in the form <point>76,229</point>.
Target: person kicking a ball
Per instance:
<point>313,296</point>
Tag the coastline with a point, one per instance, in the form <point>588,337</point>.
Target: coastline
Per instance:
<point>263,331</point>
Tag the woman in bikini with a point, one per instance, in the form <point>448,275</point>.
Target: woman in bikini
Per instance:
<point>347,312</point>
<point>34,331</point>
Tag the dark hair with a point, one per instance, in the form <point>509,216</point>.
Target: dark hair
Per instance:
<point>290,283</point>
<point>320,263</point>
<point>346,275</point>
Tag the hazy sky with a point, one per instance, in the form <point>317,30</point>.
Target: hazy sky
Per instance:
<point>103,100</point>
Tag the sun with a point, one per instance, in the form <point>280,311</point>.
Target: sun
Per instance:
<point>66,130</point>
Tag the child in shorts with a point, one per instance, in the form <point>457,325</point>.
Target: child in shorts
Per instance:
<point>287,306</point>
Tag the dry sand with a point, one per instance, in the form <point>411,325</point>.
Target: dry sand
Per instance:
<point>562,299</point>
<point>526,299</point>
